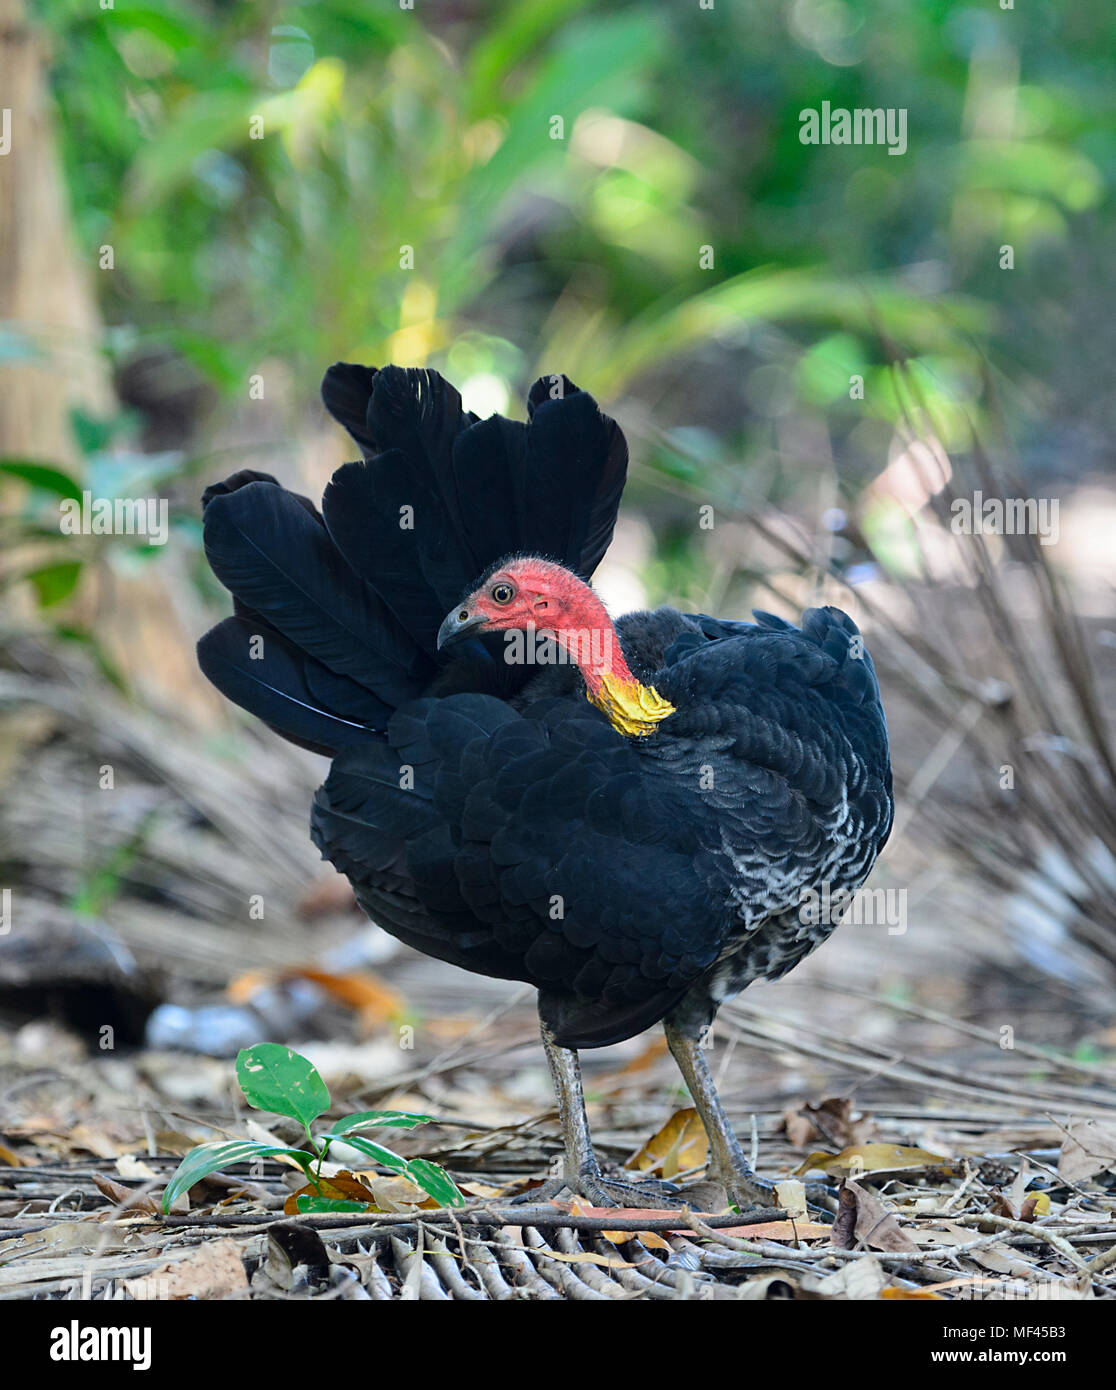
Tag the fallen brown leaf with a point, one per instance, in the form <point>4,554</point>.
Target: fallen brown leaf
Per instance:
<point>651,1239</point>
<point>799,1127</point>
<point>360,991</point>
<point>342,1187</point>
<point>94,1141</point>
<point>790,1194</point>
<point>67,1237</point>
<point>679,1146</point>
<point>127,1198</point>
<point>864,1220</point>
<point>646,1059</point>
<point>586,1257</point>
<point>1088,1148</point>
<point>213,1271</point>
<point>396,1193</point>
<point>779,1230</point>
<point>872,1158</point>
<point>131,1167</point>
<point>833,1120</point>
<point>241,990</point>
<point>9,1158</point>
<point>857,1280</point>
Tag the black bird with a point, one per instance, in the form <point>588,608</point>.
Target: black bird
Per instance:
<point>627,816</point>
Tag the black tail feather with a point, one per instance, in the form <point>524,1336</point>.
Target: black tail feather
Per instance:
<point>265,549</point>
<point>235,481</point>
<point>577,463</point>
<point>350,599</point>
<point>394,534</point>
<point>346,392</point>
<point>268,676</point>
<point>450,495</point>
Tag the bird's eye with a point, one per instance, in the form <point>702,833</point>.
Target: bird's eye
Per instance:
<point>502,593</point>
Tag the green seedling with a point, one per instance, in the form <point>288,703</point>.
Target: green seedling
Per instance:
<point>275,1079</point>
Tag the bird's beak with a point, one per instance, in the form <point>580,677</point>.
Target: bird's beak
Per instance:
<point>459,622</point>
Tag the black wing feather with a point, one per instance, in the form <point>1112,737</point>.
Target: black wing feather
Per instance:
<point>527,861</point>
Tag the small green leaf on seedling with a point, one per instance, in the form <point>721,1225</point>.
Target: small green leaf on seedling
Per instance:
<point>435,1182</point>
<point>209,1158</point>
<point>309,1206</point>
<point>386,1158</point>
<point>388,1119</point>
<point>274,1078</point>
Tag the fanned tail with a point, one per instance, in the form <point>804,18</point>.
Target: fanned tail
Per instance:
<point>336,612</point>
<point>447,495</point>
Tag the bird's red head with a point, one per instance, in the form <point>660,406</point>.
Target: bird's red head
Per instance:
<point>546,602</point>
<point>549,615</point>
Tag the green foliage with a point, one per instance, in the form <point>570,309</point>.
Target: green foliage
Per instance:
<point>48,480</point>
<point>210,1158</point>
<point>382,129</point>
<point>53,560</point>
<point>278,1080</point>
<point>275,1078</point>
<point>378,1119</point>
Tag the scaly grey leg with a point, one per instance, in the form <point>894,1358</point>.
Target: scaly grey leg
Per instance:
<point>728,1162</point>
<point>582,1169</point>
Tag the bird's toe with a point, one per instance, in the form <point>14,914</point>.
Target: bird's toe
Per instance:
<point>611,1191</point>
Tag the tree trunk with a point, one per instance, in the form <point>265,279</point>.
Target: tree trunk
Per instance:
<point>45,287</point>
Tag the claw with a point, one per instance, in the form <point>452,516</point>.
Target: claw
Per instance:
<point>618,1192</point>
<point>604,1191</point>
<point>533,1195</point>
<point>748,1192</point>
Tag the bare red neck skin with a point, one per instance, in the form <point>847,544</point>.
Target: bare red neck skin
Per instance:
<point>584,629</point>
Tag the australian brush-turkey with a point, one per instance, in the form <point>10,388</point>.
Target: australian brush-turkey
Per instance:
<point>626,815</point>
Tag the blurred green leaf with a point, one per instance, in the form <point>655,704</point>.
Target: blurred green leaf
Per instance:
<point>200,122</point>
<point>54,583</point>
<point>92,434</point>
<point>42,476</point>
<point>505,41</point>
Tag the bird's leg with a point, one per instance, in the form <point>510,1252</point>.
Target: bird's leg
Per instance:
<point>582,1168</point>
<point>729,1164</point>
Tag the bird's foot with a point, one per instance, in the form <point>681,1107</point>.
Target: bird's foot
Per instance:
<point>604,1190</point>
<point>530,1196</point>
<point>608,1191</point>
<point>748,1193</point>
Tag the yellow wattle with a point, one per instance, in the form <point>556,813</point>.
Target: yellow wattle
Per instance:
<point>631,708</point>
